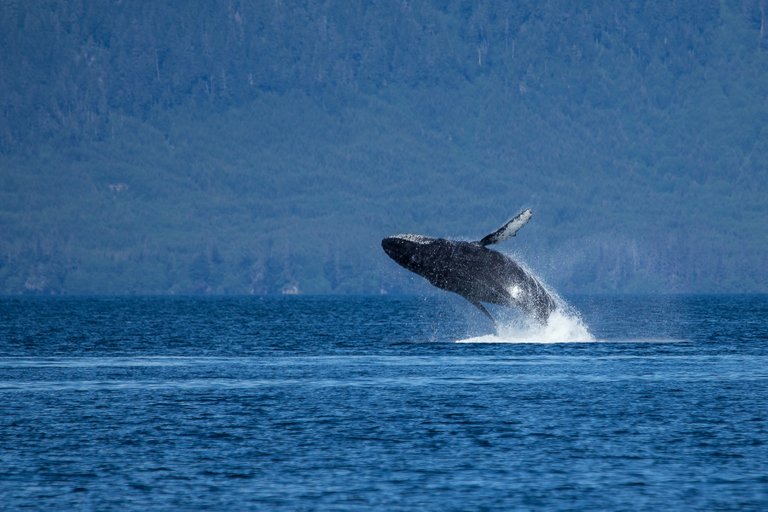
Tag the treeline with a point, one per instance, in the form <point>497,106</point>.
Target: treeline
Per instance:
<point>265,147</point>
<point>69,66</point>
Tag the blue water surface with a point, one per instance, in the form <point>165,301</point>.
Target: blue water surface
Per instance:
<point>367,403</point>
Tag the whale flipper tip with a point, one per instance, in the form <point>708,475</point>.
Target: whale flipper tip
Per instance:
<point>509,229</point>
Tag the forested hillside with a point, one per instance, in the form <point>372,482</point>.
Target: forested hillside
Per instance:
<point>267,147</point>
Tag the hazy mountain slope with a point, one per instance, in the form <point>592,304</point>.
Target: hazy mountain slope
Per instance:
<point>261,149</point>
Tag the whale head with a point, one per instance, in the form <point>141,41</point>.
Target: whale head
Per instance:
<point>410,251</point>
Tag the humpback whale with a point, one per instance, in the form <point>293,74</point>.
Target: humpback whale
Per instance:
<point>474,271</point>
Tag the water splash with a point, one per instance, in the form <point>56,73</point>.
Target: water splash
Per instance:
<point>564,325</point>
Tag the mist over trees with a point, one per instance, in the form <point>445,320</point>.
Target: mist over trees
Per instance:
<point>267,147</point>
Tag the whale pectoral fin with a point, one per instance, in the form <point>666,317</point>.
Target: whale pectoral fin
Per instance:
<point>509,229</point>
<point>482,308</point>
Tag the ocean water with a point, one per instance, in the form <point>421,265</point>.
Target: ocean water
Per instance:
<point>371,403</point>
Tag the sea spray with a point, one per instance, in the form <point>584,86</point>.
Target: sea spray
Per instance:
<point>563,325</point>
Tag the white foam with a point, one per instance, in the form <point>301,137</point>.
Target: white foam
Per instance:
<point>561,327</point>
<point>564,324</point>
